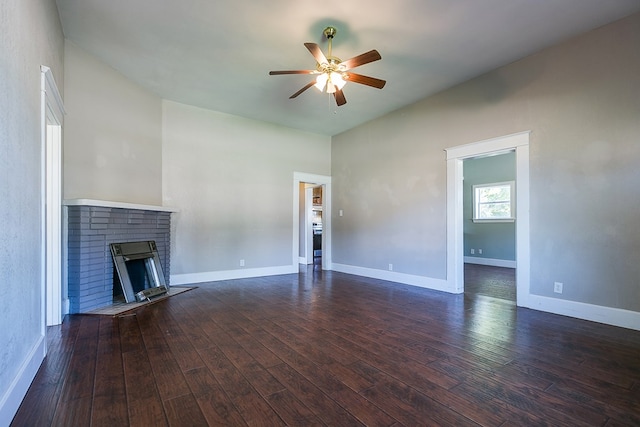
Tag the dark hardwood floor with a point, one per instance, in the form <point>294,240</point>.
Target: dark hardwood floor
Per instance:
<point>325,348</point>
<point>496,282</point>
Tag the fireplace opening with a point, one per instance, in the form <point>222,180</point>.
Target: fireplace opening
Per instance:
<point>139,270</point>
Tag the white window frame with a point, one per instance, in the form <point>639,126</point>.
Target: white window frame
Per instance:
<point>512,201</point>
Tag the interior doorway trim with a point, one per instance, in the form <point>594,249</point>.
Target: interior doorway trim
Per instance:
<point>518,142</point>
<point>51,165</point>
<point>325,181</point>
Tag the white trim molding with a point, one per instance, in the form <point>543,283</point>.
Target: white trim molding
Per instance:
<point>120,205</point>
<point>497,145</point>
<point>52,118</point>
<point>594,313</point>
<point>518,142</point>
<point>393,276</point>
<point>10,402</point>
<point>494,262</point>
<point>216,276</point>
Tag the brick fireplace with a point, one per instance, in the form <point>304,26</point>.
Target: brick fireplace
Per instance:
<point>92,225</point>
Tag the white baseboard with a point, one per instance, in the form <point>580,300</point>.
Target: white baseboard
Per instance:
<point>214,276</point>
<point>302,260</point>
<point>490,261</point>
<point>594,313</point>
<point>393,276</point>
<point>11,400</point>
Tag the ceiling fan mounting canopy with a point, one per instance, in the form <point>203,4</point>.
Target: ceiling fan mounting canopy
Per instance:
<point>329,32</point>
<point>332,73</point>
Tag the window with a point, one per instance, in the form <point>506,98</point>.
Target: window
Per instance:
<point>494,202</point>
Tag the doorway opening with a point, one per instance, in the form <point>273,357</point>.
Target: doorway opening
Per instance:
<point>314,255</point>
<point>55,304</point>
<point>311,224</point>
<point>455,212</point>
<point>312,221</point>
<point>489,215</point>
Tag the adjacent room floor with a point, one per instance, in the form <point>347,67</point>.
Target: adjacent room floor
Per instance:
<point>326,348</point>
<point>496,282</point>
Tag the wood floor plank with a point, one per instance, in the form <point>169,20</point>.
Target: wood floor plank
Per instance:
<point>109,393</point>
<point>536,402</point>
<point>76,396</point>
<point>143,400</point>
<point>168,376</point>
<point>184,411</point>
<point>184,352</point>
<point>214,403</point>
<point>481,414</point>
<point>291,410</point>
<point>387,359</point>
<point>75,412</point>
<point>320,403</point>
<point>252,407</point>
<point>257,375</point>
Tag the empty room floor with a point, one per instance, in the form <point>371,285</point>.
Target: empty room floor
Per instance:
<point>326,348</point>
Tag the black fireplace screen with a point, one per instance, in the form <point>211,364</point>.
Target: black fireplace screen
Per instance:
<point>139,270</point>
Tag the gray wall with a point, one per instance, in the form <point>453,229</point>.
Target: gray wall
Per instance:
<point>232,180</point>
<point>580,99</point>
<point>31,36</point>
<point>497,240</point>
<point>112,134</point>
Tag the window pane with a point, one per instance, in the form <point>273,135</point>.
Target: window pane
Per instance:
<point>493,201</point>
<point>494,210</point>
<point>494,194</point>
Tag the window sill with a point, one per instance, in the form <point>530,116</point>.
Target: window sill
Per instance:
<point>493,220</point>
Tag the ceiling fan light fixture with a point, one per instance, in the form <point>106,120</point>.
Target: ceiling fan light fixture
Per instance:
<point>332,73</point>
<point>337,80</point>
<point>321,81</point>
<point>329,82</point>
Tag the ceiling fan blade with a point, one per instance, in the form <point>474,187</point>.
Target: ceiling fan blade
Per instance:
<point>362,59</point>
<point>307,86</point>
<point>277,73</point>
<point>316,52</point>
<point>365,80</point>
<point>339,96</point>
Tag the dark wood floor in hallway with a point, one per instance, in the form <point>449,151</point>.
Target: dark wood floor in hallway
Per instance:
<point>325,348</point>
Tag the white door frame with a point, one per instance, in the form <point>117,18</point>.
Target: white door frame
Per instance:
<point>51,183</point>
<point>325,181</point>
<point>455,228</point>
<point>308,225</point>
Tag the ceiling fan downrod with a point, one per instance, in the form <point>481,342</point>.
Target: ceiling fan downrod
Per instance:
<point>329,33</point>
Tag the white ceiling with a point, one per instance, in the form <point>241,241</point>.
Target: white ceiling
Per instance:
<point>217,54</point>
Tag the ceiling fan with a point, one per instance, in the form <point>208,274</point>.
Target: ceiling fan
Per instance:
<point>333,73</point>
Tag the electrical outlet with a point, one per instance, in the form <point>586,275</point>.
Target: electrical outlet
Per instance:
<point>340,212</point>
<point>390,267</point>
<point>480,251</point>
<point>557,287</point>
<point>473,251</point>
<point>241,263</point>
